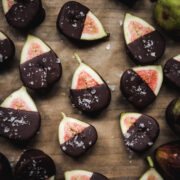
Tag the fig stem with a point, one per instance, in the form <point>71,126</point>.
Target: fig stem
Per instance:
<point>77,58</point>
<point>150,161</point>
<point>63,114</point>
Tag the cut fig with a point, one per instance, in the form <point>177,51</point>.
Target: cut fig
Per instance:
<point>141,85</point>
<point>23,15</point>
<point>172,71</point>
<point>144,44</point>
<point>88,92</point>
<point>39,65</point>
<point>83,175</point>
<point>173,115</point>
<point>35,164</point>
<point>7,49</point>
<point>140,131</point>
<point>151,174</point>
<point>78,22</point>
<point>5,168</point>
<point>76,137</point>
<point>19,117</point>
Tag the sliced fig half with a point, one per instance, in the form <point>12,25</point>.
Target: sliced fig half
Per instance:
<point>88,92</point>
<point>35,164</point>
<point>23,15</point>
<point>140,131</point>
<point>5,168</point>
<point>76,137</point>
<point>39,65</point>
<point>19,117</point>
<point>151,173</point>
<point>172,71</point>
<point>144,44</point>
<point>78,22</point>
<point>141,85</point>
<point>7,49</point>
<point>83,175</point>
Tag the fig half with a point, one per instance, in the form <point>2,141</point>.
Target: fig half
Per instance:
<point>39,65</point>
<point>89,92</point>
<point>144,44</point>
<point>140,131</point>
<point>172,71</point>
<point>141,85</point>
<point>19,117</point>
<point>83,175</point>
<point>23,15</point>
<point>78,22</point>
<point>76,137</point>
<point>35,164</point>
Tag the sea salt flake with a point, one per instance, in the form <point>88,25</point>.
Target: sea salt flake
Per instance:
<point>108,47</point>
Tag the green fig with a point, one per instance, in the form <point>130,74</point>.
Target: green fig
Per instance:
<point>167,15</point>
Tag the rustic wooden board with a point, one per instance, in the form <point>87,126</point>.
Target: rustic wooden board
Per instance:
<point>109,156</point>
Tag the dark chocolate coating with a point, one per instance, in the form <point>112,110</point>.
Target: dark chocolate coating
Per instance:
<point>173,116</point>
<point>97,176</point>
<point>81,142</point>
<point>41,71</point>
<point>172,71</point>
<point>71,19</point>
<point>25,14</point>
<point>147,49</point>
<point>142,134</point>
<point>136,90</point>
<point>5,168</point>
<point>7,51</point>
<point>34,165</point>
<point>92,99</point>
<point>129,2</point>
<point>19,125</point>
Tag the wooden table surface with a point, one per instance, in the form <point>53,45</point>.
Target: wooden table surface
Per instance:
<point>109,156</point>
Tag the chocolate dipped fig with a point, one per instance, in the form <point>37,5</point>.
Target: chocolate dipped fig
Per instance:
<point>75,136</point>
<point>39,65</point>
<point>35,165</point>
<point>172,71</point>
<point>82,175</point>
<point>19,117</point>
<point>140,131</point>
<point>78,22</point>
<point>167,157</point>
<point>23,14</point>
<point>7,49</point>
<point>5,168</point>
<point>151,173</point>
<point>89,92</point>
<point>173,115</point>
<point>145,45</point>
<point>141,85</point>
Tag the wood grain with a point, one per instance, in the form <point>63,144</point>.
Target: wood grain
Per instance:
<point>109,156</point>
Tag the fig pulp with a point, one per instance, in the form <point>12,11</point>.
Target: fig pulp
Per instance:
<point>167,157</point>
<point>173,115</point>
<point>76,137</point>
<point>88,92</point>
<point>140,131</point>
<point>78,22</point>
<point>144,44</point>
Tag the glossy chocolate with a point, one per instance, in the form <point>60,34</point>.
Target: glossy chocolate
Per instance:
<point>34,165</point>
<point>147,49</point>
<point>91,99</point>
<point>18,125</point>
<point>97,176</point>
<point>71,19</point>
<point>81,142</point>
<point>172,71</point>
<point>142,134</point>
<point>41,71</point>
<point>136,90</point>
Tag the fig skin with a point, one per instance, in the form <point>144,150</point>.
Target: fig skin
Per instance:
<point>167,158</point>
<point>173,115</point>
